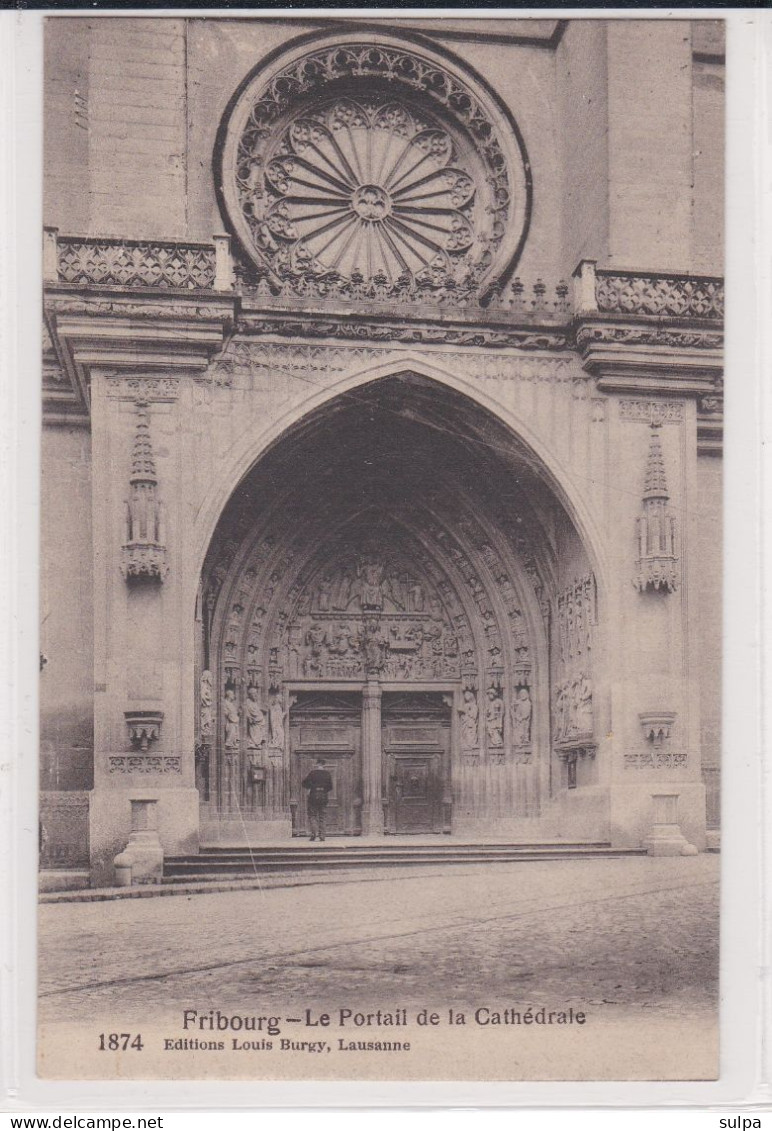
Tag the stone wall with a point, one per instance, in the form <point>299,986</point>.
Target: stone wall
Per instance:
<point>582,91</point>
<point>116,127</point>
<point>650,144</point>
<point>66,612</point>
<point>708,588</point>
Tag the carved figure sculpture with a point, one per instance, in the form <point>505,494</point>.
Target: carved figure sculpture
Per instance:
<point>316,639</point>
<point>276,721</point>
<point>561,711</point>
<point>205,697</point>
<point>325,592</point>
<point>345,642</point>
<point>494,718</point>
<point>470,713</point>
<point>583,693</point>
<point>232,718</point>
<point>343,595</point>
<point>371,575</point>
<point>579,620</point>
<point>257,721</point>
<point>521,718</point>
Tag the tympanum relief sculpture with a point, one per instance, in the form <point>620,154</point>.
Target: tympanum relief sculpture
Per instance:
<point>371,614</point>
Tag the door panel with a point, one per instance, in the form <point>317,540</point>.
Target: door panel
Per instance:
<point>413,793</point>
<point>327,725</point>
<point>416,738</point>
<point>340,808</point>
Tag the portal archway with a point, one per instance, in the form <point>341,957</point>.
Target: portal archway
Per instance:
<point>387,589</point>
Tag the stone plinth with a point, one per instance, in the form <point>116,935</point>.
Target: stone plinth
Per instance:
<point>665,837</point>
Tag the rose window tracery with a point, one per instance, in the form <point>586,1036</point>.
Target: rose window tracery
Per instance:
<point>373,163</point>
<point>357,188</point>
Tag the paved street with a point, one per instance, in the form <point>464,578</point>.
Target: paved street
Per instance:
<point>620,939</point>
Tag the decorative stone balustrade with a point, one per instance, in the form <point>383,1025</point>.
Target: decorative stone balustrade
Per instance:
<point>129,263</point>
<point>647,294</point>
<point>173,265</point>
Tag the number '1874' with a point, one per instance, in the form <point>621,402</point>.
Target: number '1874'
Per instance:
<point>120,1042</point>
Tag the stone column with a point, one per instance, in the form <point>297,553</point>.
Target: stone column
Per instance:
<point>372,808</point>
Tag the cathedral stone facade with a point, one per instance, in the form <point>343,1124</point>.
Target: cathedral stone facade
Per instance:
<point>383,399</point>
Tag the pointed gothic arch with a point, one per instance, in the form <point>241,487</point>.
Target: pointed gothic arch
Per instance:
<point>396,541</point>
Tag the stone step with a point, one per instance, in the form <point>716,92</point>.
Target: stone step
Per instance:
<point>387,845</point>
<point>222,864</point>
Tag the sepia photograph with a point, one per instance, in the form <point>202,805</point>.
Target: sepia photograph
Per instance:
<point>381,548</point>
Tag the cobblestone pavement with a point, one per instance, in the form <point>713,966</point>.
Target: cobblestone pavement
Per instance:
<point>618,936</point>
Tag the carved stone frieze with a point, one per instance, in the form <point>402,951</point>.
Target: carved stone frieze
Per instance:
<point>151,307</point>
<point>143,388</point>
<point>656,759</point>
<point>639,411</point>
<point>245,356</point>
<point>144,764</point>
<point>671,337</point>
<point>393,331</point>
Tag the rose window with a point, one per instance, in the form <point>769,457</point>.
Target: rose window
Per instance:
<point>345,162</point>
<point>355,188</point>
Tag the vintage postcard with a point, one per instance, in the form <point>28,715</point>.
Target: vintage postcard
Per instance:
<point>380,671</point>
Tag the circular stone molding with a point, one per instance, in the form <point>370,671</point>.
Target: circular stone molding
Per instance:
<point>383,161</point>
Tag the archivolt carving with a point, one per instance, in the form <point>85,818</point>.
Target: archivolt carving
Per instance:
<point>412,168</point>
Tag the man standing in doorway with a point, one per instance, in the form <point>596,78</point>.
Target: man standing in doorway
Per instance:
<point>319,784</point>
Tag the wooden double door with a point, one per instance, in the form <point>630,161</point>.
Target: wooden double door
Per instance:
<point>413,761</point>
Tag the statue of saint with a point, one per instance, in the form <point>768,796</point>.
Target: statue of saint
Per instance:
<point>583,705</point>
<point>494,718</point>
<point>232,718</point>
<point>370,586</point>
<point>276,721</point>
<point>205,698</point>
<point>325,593</point>
<point>470,713</point>
<point>257,722</point>
<point>521,717</point>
